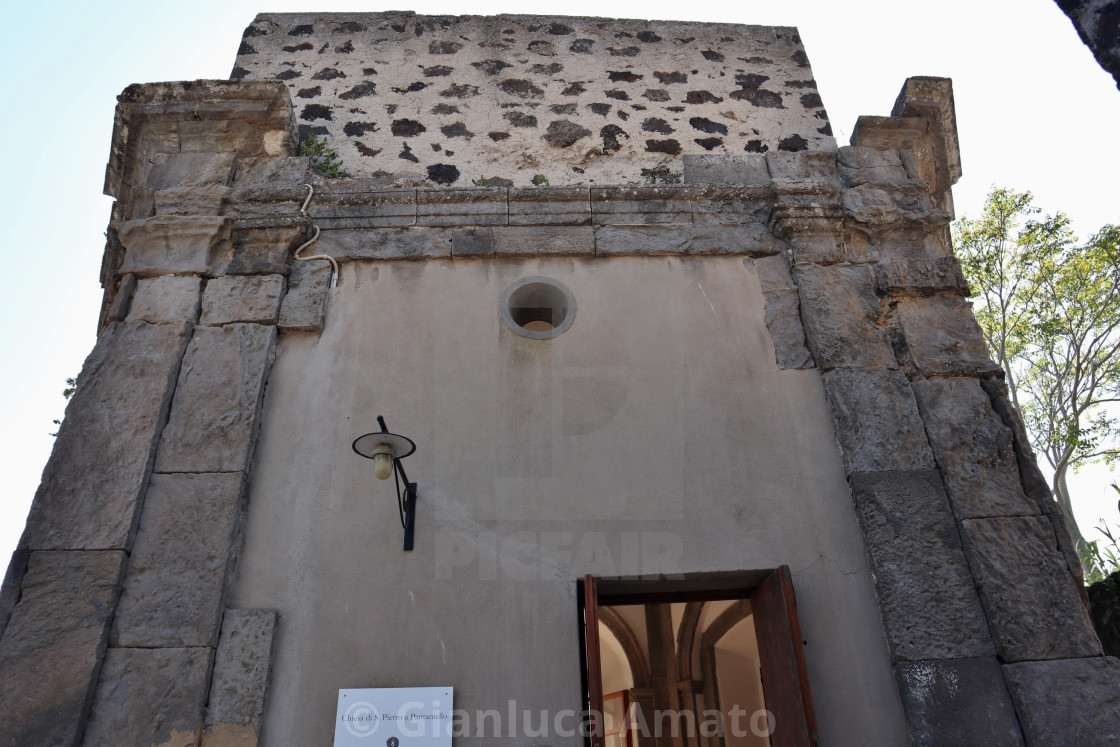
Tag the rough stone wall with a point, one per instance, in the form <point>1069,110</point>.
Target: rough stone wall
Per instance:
<point>1098,24</point>
<point>448,100</point>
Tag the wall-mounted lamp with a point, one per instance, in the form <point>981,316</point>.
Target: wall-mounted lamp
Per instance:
<point>387,450</point>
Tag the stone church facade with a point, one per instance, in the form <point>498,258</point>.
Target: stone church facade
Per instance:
<point>658,341</point>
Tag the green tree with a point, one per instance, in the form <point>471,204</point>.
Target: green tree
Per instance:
<point>1050,308</point>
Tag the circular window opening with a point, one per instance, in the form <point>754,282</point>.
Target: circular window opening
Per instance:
<point>538,308</point>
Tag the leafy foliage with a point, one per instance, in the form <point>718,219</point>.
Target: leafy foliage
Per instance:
<point>67,393</point>
<point>1102,559</point>
<point>540,180</point>
<point>324,159</point>
<point>1050,308</point>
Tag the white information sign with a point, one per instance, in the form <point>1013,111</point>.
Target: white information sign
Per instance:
<point>394,717</point>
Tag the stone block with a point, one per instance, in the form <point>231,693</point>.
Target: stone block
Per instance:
<point>1075,701</point>
<point>841,313</point>
<point>750,239</point>
<point>189,170</point>
<point>861,165</point>
<point>215,415</point>
<point>388,208</point>
<point>174,590</point>
<point>9,589</point>
<point>384,243</point>
<point>172,244</point>
<point>1032,605</point>
<point>637,206</point>
<point>1104,609</point>
<point>304,307</point>
<point>973,448</point>
<point>731,204</point>
<point>826,249</point>
<point>190,200</point>
<point>943,337</point>
<point>1034,483</point>
<point>877,421</point>
<point>265,250</point>
<point>544,241</point>
<point>242,298</point>
<point>241,672</point>
<point>150,696</point>
<point>921,276</point>
<point>271,179</point>
<point>893,203</point>
<point>712,169</point>
<point>927,597</point>
<point>51,651</point>
<point>554,206</point>
<point>89,498</point>
<point>958,702</point>
<point>122,301</point>
<point>773,273</point>
<point>483,206</point>
<point>472,242</point>
<point>801,166</point>
<point>166,299</point>
<point>783,320</point>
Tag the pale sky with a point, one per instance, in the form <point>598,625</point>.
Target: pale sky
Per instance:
<point>1034,110</point>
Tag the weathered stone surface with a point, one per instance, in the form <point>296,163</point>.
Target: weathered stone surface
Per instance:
<point>51,650</point>
<point>712,169</point>
<point>242,298</point>
<point>892,203</point>
<point>1033,608</point>
<point>304,307</point>
<point>122,301</point>
<point>383,208</point>
<point>825,249</point>
<point>877,421</point>
<point>556,206</point>
<point>861,165</point>
<point>241,672</point>
<point>190,200</point>
<point>750,239</point>
<point>90,494</point>
<point>957,702</point>
<point>266,250</point>
<point>773,273</point>
<point>783,320</point>
<point>1074,702</point>
<point>269,179</point>
<point>544,241</point>
<point>927,597</point>
<point>1034,483</point>
<point>384,243</point>
<point>180,170</point>
<point>166,299</point>
<point>216,411</point>
<point>9,589</point>
<point>921,276</point>
<point>802,166</point>
<point>170,244</point>
<point>974,449</point>
<point>943,337</point>
<point>731,204</point>
<point>174,589</point>
<point>635,206</point>
<point>486,206</point>
<point>150,696</point>
<point>841,312</point>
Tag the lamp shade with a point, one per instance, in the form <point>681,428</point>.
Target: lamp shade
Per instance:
<point>371,444</point>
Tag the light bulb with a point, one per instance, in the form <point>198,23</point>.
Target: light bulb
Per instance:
<point>382,465</point>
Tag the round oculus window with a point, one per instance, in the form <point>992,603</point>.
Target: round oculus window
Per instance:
<point>539,308</point>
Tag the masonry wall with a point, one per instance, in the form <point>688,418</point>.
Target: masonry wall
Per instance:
<point>825,277</point>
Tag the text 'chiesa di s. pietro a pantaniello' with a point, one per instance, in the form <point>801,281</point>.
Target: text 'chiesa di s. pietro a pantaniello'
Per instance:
<point>689,435</point>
